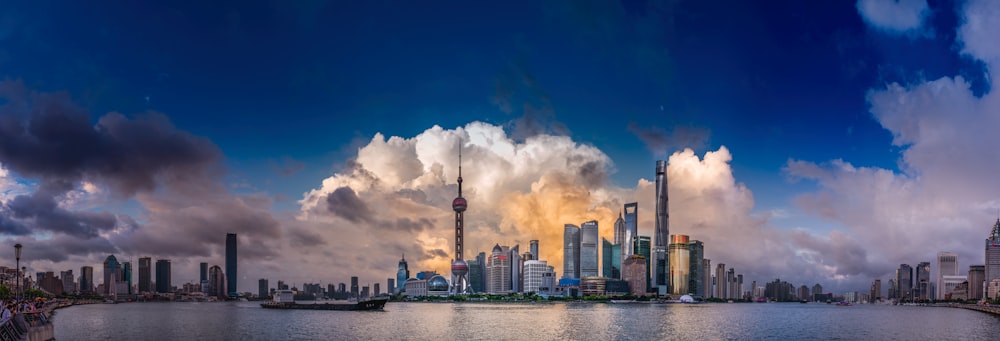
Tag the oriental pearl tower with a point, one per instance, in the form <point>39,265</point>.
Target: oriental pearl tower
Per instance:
<point>459,268</point>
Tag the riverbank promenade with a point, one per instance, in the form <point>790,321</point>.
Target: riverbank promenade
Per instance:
<point>36,325</point>
<point>991,309</point>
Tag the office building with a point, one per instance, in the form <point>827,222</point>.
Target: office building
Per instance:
<point>993,254</point>
<point>203,272</point>
<point>696,260</point>
<point>533,247</point>
<point>534,274</point>
<point>476,276</point>
<point>571,251</point>
<point>514,254</point>
<point>631,229</point>
<point>610,259</point>
<point>680,265</point>
<point>904,282</point>
<point>706,275</point>
<point>720,281</point>
<point>635,273</point>
<point>145,274</point>
<point>876,292</point>
<point>231,278</point>
<point>947,266</point>
<point>262,288</point>
<point>355,290</point>
<point>217,282</point>
<point>68,284</point>
<point>661,272</point>
<point>922,281</point>
<point>163,276</point>
<point>498,271</point>
<point>642,247</point>
<point>125,279</point>
<point>86,279</point>
<point>112,272</point>
<point>589,261</point>
<point>402,274</point>
<point>977,279</point>
<point>620,231</point>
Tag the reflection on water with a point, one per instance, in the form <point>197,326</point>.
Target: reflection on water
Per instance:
<point>541,321</point>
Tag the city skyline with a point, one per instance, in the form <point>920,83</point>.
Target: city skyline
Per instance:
<point>812,142</point>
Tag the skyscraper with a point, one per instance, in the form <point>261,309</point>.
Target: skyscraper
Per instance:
<point>993,254</point>
<point>216,281</point>
<point>111,274</point>
<point>680,265</point>
<point>459,268</point>
<point>145,274</point>
<point>589,262</point>
<point>720,281</point>
<point>125,279</point>
<point>262,288</point>
<point>533,247</point>
<point>876,292</point>
<point>514,254</point>
<point>571,251</point>
<point>355,290</point>
<point>620,230</point>
<point>534,273</point>
<point>977,276</point>
<point>203,272</point>
<point>923,281</point>
<point>402,274</point>
<point>163,275</point>
<point>634,272</point>
<point>904,282</point>
<point>631,229</point>
<point>231,277</point>
<point>610,259</point>
<point>696,284</point>
<point>706,274</point>
<point>498,271</point>
<point>662,233</point>
<point>642,247</point>
<point>86,279</point>
<point>947,266</point>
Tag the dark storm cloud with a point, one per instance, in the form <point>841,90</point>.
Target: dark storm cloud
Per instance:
<point>10,227</point>
<point>414,225</point>
<point>435,253</point>
<point>304,238</point>
<point>60,247</point>
<point>345,203</point>
<point>518,92</point>
<point>43,210</point>
<point>592,173</point>
<point>662,142</point>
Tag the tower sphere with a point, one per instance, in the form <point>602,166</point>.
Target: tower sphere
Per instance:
<point>459,204</point>
<point>459,267</point>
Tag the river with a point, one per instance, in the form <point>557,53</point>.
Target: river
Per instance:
<point>540,321</point>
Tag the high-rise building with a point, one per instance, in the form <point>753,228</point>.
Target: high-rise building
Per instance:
<point>706,274</point>
<point>163,275</point>
<point>125,281</point>
<point>571,251</point>
<point>696,256</point>
<point>947,266</point>
<point>732,291</point>
<point>922,283</point>
<point>262,288</point>
<point>355,290</point>
<point>610,259</point>
<point>631,229</point>
<point>145,274</point>
<point>402,274</point>
<point>498,271</point>
<point>216,282</point>
<point>635,273</point>
<point>476,276</point>
<point>876,292</point>
<point>620,231</point>
<point>112,271</point>
<point>720,281</point>
<point>892,289</point>
<point>993,254</point>
<point>86,279</point>
<point>534,273</point>
<point>904,282</point>
<point>661,272</point>
<point>203,271</point>
<point>68,283</point>
<point>680,265</point>
<point>642,247</point>
<point>533,248</point>
<point>514,254</point>
<point>459,267</point>
<point>977,277</point>
<point>231,278</point>
<point>390,286</point>
<point>589,262</point>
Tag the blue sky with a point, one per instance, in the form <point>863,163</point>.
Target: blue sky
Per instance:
<point>290,91</point>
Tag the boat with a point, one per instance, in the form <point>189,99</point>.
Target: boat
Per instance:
<point>843,304</point>
<point>283,299</point>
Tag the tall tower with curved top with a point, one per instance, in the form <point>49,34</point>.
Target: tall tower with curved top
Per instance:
<point>459,268</point>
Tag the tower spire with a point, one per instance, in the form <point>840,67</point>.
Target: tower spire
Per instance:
<point>460,168</point>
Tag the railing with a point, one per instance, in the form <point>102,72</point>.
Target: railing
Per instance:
<point>15,328</point>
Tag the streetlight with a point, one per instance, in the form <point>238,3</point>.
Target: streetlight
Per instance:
<point>17,255</point>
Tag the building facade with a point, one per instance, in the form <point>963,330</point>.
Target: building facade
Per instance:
<point>145,274</point>
<point>680,265</point>
<point>262,288</point>
<point>611,259</point>
<point>922,281</point>
<point>402,274</point>
<point>993,255</point>
<point>217,282</point>
<point>163,275</point>
<point>977,280</point>
<point>231,278</point>
<point>635,273</point>
<point>112,272</point>
<point>661,234</point>
<point>498,271</point>
<point>904,282</point>
<point>631,228</point>
<point>947,266</point>
<point>87,279</point>
<point>534,275</point>
<point>696,256</point>
<point>589,261</point>
<point>643,247</point>
<point>571,251</point>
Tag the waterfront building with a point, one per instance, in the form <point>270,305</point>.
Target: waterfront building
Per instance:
<point>534,273</point>
<point>993,290</point>
<point>68,283</point>
<point>86,279</point>
<point>355,289</point>
<point>817,290</point>
<point>680,265</point>
<point>111,275</point>
<point>231,278</point>
<point>706,274</point>
<point>720,281</point>
<point>952,284</point>
<point>262,288</point>
<point>571,251</point>
<point>163,275</point>
<point>635,273</point>
<point>904,282</point>
<point>390,286</point>
<point>593,286</point>
<point>642,247</point>
<point>993,255</point>
<point>202,270</point>
<point>145,274</point>
<point>402,274</point>
<point>732,291</point>
<point>922,281</point>
<point>663,266</point>
<point>892,290</point>
<point>947,266</point>
<point>977,279</point>
<point>610,259</point>
<point>696,256</point>
<point>415,287</point>
<point>631,228</point>
<point>216,282</point>
<point>876,291</point>
<point>589,262</point>
<point>803,293</point>
<point>498,271</point>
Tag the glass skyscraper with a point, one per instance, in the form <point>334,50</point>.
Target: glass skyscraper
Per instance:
<point>571,251</point>
<point>661,232</point>
<point>611,259</point>
<point>696,277</point>
<point>145,274</point>
<point>589,262</point>
<point>231,277</point>
<point>642,248</point>
<point>163,275</point>
<point>402,274</point>
<point>993,255</point>
<point>631,229</point>
<point>904,282</point>
<point>680,265</point>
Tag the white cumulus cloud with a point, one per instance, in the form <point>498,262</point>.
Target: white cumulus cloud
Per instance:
<point>894,16</point>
